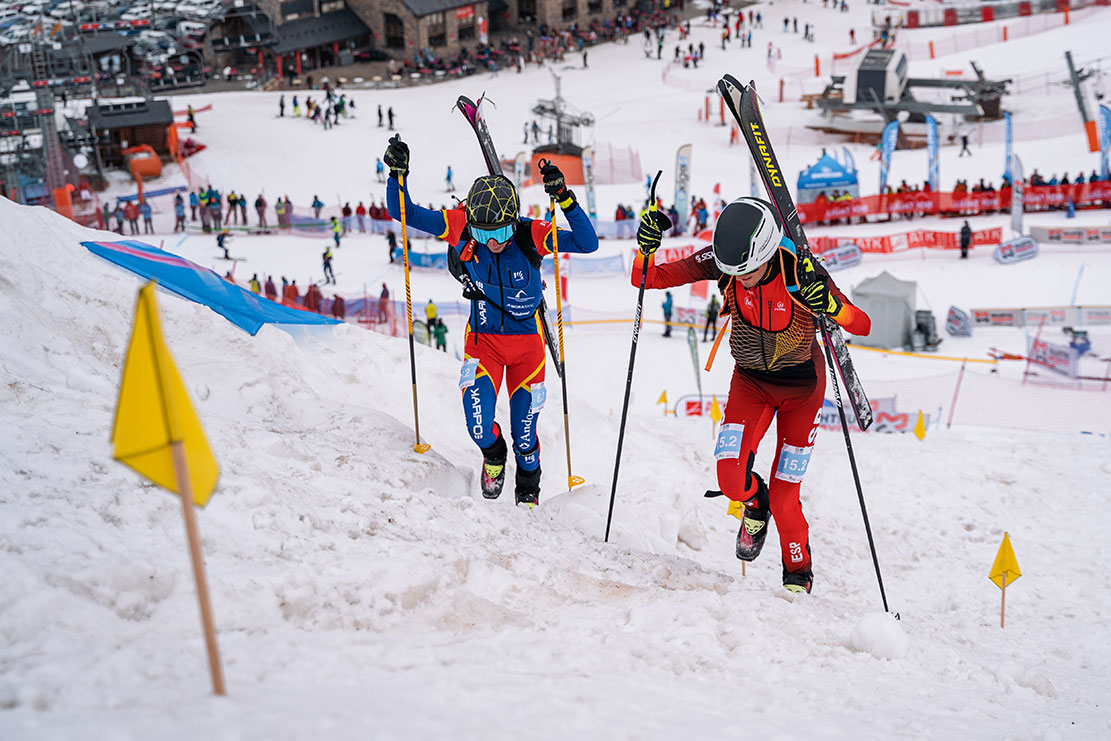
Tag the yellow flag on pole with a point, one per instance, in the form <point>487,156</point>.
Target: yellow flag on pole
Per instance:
<point>920,426</point>
<point>715,411</point>
<point>1005,564</point>
<point>663,398</point>
<point>154,410</point>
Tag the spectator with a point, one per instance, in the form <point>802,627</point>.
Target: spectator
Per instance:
<point>339,307</point>
<point>383,304</point>
<point>360,216</point>
<point>147,213</point>
<point>711,317</point>
<point>966,240</point>
<point>256,287</point>
<point>440,332</point>
<point>270,289</point>
<point>667,307</point>
<point>179,213</point>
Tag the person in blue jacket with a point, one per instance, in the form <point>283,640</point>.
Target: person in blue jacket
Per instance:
<point>495,254</point>
<point>193,206</point>
<point>148,214</point>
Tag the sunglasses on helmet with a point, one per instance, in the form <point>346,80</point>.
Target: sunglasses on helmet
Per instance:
<point>499,234</point>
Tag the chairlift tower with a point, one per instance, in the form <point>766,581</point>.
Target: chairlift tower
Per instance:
<point>567,122</point>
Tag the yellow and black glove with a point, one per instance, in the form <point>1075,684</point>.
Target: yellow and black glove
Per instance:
<point>650,232</point>
<point>556,187</point>
<point>815,291</point>
<point>397,157</point>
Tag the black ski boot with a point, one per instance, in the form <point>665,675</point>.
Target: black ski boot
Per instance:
<point>528,487</point>
<point>754,524</point>
<point>798,581</point>
<point>493,468</point>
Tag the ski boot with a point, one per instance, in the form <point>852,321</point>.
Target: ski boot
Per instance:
<point>493,468</point>
<point>754,524</point>
<point>528,487</point>
<point>798,582</point>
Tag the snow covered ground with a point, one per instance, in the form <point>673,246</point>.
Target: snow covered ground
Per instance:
<point>362,590</point>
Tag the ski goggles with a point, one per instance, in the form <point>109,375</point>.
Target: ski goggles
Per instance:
<point>499,234</point>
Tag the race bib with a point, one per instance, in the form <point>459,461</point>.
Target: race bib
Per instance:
<point>729,442</point>
<point>793,463</point>
<point>539,396</point>
<point>467,373</point>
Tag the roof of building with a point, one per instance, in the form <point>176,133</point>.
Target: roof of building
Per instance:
<point>421,8</point>
<point>126,115</point>
<point>307,33</point>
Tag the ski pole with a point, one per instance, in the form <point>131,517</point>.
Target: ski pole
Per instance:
<point>572,480</point>
<point>417,446</point>
<point>852,459</point>
<point>632,360</point>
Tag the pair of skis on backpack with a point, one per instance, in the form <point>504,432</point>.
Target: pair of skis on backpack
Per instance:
<point>741,101</point>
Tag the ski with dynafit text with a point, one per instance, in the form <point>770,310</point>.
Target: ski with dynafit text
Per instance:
<point>742,103</point>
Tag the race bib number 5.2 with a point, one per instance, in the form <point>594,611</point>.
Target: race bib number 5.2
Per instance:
<point>729,442</point>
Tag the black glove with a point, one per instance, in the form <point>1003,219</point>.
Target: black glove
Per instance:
<point>397,157</point>
<point>651,230</point>
<point>556,187</point>
<point>458,270</point>
<point>815,291</point>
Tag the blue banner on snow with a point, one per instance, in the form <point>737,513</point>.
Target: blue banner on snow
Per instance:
<point>239,306</point>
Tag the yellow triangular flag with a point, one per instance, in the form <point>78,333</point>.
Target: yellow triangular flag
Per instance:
<point>715,411</point>
<point>154,410</point>
<point>920,426</point>
<point>663,398</point>
<point>1005,563</point>
<point>736,509</point>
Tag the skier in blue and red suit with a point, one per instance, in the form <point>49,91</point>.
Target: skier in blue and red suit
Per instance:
<point>496,254</point>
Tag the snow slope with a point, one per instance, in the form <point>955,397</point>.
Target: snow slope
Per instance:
<point>362,590</point>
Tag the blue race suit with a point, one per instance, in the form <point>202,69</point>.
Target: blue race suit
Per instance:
<point>503,336</point>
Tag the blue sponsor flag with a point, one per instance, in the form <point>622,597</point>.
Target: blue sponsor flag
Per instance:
<point>1007,147</point>
<point>890,137</point>
<point>931,152</point>
<point>850,163</point>
<point>1104,139</point>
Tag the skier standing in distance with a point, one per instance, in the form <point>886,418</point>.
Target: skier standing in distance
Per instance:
<point>779,370</point>
<point>498,263</point>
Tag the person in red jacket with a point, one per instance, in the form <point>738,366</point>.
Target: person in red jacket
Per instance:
<point>360,216</point>
<point>772,299</point>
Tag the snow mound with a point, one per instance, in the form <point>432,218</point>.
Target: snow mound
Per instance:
<point>880,634</point>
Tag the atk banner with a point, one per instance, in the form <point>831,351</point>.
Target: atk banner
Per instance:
<point>932,156</point>
<point>890,138</point>
<point>1007,146</point>
<point>1018,193</point>
<point>683,183</point>
<point>588,176</point>
<point>1104,139</point>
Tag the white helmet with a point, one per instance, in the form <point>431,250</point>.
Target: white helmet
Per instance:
<point>746,236</point>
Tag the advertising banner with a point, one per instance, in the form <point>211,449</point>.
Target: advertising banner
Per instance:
<point>839,258</point>
<point>998,317</point>
<point>1072,235</point>
<point>588,177</point>
<point>932,156</point>
<point>1104,140</point>
<point>1018,194</point>
<point>958,323</point>
<point>890,139</point>
<point>519,165</point>
<point>1008,141</point>
<point>1016,250</point>
<point>1057,358</point>
<point>683,183</point>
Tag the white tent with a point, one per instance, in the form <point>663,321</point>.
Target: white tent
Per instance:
<point>890,304</point>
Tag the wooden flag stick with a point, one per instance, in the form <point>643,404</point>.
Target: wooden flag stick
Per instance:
<point>1003,600</point>
<point>181,469</point>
